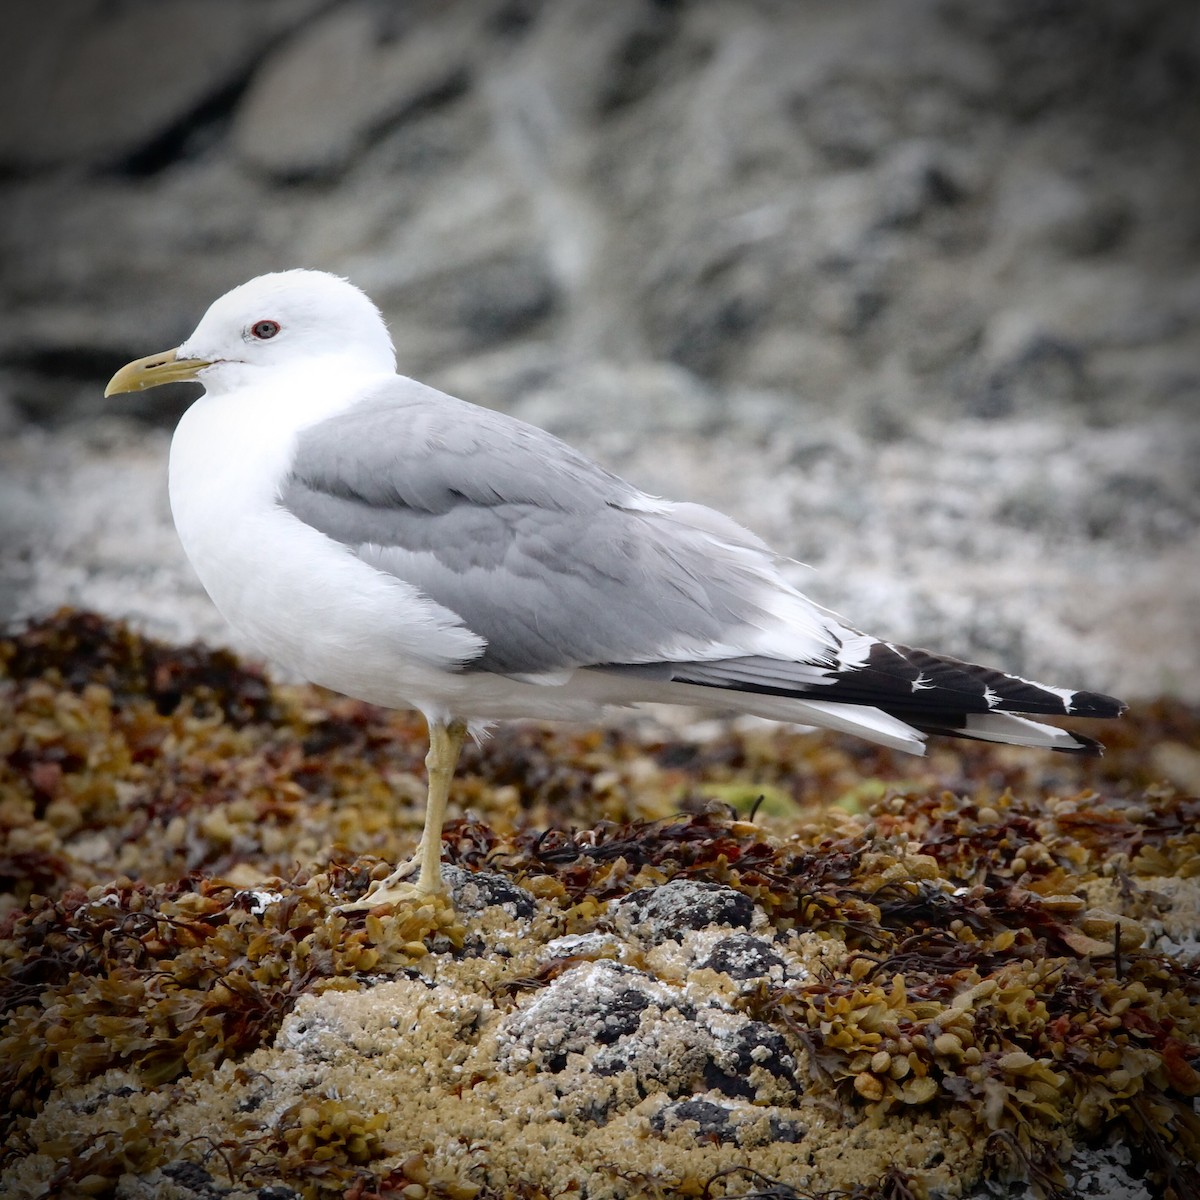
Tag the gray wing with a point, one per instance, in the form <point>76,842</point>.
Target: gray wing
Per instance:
<point>554,561</point>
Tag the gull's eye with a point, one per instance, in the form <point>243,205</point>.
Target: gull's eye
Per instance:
<point>264,329</point>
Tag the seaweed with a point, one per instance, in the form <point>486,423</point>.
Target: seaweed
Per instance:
<point>176,979</point>
<point>177,834</point>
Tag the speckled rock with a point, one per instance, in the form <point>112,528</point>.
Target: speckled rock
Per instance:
<point>475,891</point>
<point>667,912</point>
<point>607,1021</point>
<point>742,956</point>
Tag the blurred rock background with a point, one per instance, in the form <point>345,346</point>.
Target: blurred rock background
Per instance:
<point>911,287</point>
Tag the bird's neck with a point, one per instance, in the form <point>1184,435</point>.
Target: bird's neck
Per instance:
<point>234,444</point>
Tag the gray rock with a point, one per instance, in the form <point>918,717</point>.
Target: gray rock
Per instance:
<point>629,1034</point>
<point>595,1004</point>
<point>917,176</point>
<point>662,913</point>
<point>1102,1173</point>
<point>726,1123</point>
<point>343,81</point>
<point>849,122</point>
<point>712,1120</point>
<point>739,1049</point>
<point>109,285</point>
<point>641,399</point>
<point>766,202</point>
<point>474,891</point>
<point>1045,211</point>
<point>97,85</point>
<point>1044,369</point>
<point>194,1178</point>
<point>742,956</point>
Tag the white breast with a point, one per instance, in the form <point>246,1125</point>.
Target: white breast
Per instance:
<point>301,599</point>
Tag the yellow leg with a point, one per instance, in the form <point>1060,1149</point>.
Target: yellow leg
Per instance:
<point>445,744</point>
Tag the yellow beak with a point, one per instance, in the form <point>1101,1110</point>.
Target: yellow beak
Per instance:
<point>152,370</point>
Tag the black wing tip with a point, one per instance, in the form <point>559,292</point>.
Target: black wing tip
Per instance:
<point>1096,704</point>
<point>957,725</point>
<point>912,680</point>
<point>1085,747</point>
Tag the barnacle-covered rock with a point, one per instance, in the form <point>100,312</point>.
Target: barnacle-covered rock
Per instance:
<point>474,891</point>
<point>743,956</point>
<point>663,912</point>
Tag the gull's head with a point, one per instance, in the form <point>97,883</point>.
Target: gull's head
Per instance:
<point>295,320</point>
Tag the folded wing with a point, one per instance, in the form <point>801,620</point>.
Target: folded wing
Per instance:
<point>563,568</point>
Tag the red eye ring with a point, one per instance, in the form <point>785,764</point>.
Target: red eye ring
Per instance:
<point>264,329</point>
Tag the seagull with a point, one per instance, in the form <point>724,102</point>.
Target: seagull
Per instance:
<point>409,549</point>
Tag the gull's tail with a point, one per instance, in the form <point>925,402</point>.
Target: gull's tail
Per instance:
<point>891,694</point>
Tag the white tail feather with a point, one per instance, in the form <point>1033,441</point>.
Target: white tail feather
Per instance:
<point>864,722</point>
<point>858,719</point>
<point>1018,731</point>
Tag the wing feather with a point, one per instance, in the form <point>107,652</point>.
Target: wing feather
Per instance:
<point>555,562</point>
<point>558,565</point>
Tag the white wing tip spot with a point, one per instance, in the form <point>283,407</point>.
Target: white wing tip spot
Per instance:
<point>1066,695</point>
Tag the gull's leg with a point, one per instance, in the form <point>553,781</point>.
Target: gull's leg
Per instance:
<point>445,744</point>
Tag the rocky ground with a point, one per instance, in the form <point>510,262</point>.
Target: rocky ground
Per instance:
<point>761,964</point>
